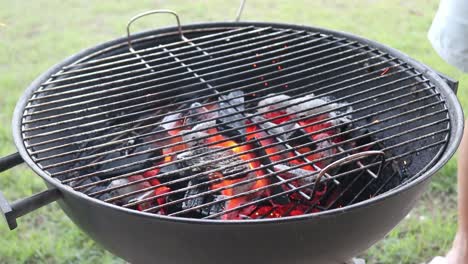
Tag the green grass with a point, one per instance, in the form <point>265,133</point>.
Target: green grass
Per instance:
<point>34,35</point>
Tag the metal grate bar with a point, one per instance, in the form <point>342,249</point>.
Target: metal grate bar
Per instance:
<point>256,169</point>
<point>290,185</point>
<point>289,122</point>
<point>349,186</point>
<point>442,142</point>
<point>276,153</point>
<point>90,123</point>
<point>292,121</point>
<point>359,164</point>
<point>152,209</point>
<point>94,123</point>
<point>164,65</point>
<point>364,188</point>
<point>300,88</point>
<point>275,37</point>
<point>170,45</point>
<point>312,173</point>
<point>209,67</point>
<point>261,90</point>
<point>119,88</point>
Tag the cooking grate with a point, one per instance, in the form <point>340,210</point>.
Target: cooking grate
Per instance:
<point>97,122</point>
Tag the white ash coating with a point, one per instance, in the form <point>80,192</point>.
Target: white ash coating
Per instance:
<point>276,101</point>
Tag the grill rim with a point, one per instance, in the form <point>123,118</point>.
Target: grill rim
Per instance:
<point>454,110</point>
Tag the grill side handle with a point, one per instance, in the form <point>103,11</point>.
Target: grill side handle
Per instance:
<point>452,83</point>
<point>25,205</point>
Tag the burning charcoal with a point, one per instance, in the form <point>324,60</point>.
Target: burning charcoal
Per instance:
<point>94,188</point>
<point>214,208</point>
<point>173,122</point>
<point>162,199</point>
<point>271,128</point>
<point>322,142</point>
<point>231,116</point>
<point>155,192</point>
<point>230,133</point>
<point>144,205</point>
<point>306,177</point>
<point>277,211</point>
<point>128,189</point>
<point>268,107</point>
<point>300,138</point>
<point>194,138</point>
<point>152,173</point>
<point>273,102</point>
<point>194,191</point>
<point>168,173</point>
<point>268,142</point>
<point>202,159</point>
<point>205,127</point>
<point>239,201</point>
<point>310,106</point>
<point>197,113</point>
<point>260,152</point>
<point>158,135</point>
<point>123,162</point>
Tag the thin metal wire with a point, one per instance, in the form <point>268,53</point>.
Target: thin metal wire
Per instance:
<point>284,151</point>
<point>138,124</point>
<point>203,90</point>
<point>135,18</point>
<point>262,90</point>
<point>254,159</point>
<point>158,116</point>
<point>312,173</point>
<point>106,91</point>
<point>260,130</point>
<point>133,99</point>
<point>131,54</point>
<point>155,208</point>
<point>113,69</point>
<point>174,97</point>
<point>349,158</point>
<point>239,11</point>
<point>292,121</point>
<point>165,65</point>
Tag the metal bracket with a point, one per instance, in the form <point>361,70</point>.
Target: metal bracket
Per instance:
<point>23,206</point>
<point>452,83</point>
<point>26,205</point>
<point>7,212</point>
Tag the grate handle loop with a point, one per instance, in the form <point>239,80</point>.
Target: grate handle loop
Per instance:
<point>240,10</point>
<point>159,11</point>
<point>347,159</point>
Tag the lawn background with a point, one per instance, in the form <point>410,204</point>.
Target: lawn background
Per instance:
<point>34,35</point>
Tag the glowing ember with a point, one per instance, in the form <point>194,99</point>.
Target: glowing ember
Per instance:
<point>222,155</point>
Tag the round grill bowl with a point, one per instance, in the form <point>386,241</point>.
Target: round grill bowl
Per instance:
<point>331,236</point>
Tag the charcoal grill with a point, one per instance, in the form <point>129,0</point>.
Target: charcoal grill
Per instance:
<point>94,120</point>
